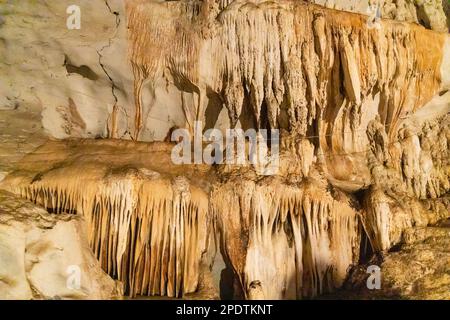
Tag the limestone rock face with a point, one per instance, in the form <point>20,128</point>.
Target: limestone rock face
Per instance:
<point>73,77</point>
<point>432,14</point>
<point>361,105</point>
<point>428,13</point>
<point>147,221</point>
<point>421,269</point>
<point>43,256</point>
<point>418,269</point>
<point>285,242</point>
<point>111,78</point>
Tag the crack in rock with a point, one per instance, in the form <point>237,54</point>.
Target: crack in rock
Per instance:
<point>100,56</point>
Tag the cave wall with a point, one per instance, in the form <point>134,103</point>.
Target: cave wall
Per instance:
<point>431,14</point>
<point>362,110</point>
<point>44,256</point>
<point>82,81</point>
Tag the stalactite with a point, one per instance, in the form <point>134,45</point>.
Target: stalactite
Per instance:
<point>308,70</point>
<point>339,90</point>
<point>147,231</point>
<point>291,241</point>
<point>289,53</point>
<point>411,176</point>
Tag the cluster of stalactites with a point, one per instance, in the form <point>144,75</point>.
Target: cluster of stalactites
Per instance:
<point>149,234</point>
<point>285,242</point>
<point>423,159</point>
<point>286,60</point>
<point>411,180</point>
<point>419,157</point>
<point>307,63</point>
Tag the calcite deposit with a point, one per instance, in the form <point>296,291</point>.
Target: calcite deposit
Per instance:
<point>355,97</point>
<point>286,241</point>
<point>417,269</point>
<point>41,252</point>
<point>147,228</point>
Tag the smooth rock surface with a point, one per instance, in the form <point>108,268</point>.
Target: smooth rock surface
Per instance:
<point>41,255</point>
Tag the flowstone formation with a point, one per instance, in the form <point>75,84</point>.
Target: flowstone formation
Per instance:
<point>429,13</point>
<point>147,228</point>
<point>361,105</point>
<point>286,240</point>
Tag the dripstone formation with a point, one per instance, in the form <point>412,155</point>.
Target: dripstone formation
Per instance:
<point>361,105</point>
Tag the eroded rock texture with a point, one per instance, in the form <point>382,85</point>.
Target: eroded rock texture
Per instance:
<point>362,109</point>
<point>418,269</point>
<point>147,228</point>
<point>39,252</point>
<point>65,74</point>
<point>430,13</point>
<point>284,241</point>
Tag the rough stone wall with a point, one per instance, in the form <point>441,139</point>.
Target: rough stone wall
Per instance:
<point>433,14</point>
<point>362,110</point>
<point>148,227</point>
<point>40,251</point>
<point>86,77</point>
<point>72,77</point>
